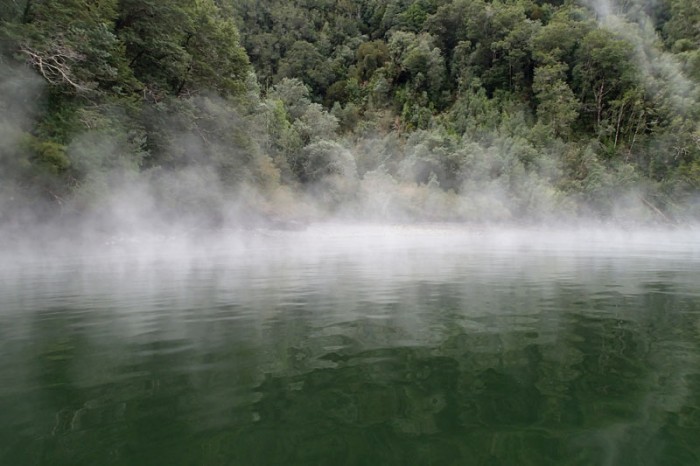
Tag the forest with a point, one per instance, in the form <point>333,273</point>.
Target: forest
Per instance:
<point>211,113</point>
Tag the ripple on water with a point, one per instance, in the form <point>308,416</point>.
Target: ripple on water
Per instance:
<point>390,346</point>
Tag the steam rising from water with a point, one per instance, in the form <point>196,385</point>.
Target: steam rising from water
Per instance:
<point>19,91</point>
<point>556,313</point>
<point>117,202</point>
<point>134,282</point>
<point>361,242</point>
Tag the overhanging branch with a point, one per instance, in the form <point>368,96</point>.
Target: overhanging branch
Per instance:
<point>55,65</point>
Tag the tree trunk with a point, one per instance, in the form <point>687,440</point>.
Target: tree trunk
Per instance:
<point>599,103</point>
<point>25,13</point>
<point>619,123</point>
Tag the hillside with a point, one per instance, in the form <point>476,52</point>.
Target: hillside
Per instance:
<point>214,113</point>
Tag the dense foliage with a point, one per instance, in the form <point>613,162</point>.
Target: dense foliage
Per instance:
<point>216,110</point>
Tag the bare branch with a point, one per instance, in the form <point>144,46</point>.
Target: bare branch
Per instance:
<point>55,65</point>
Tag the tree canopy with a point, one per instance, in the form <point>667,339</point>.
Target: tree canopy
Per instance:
<point>446,109</point>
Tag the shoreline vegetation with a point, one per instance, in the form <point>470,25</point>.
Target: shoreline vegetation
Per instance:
<point>207,115</point>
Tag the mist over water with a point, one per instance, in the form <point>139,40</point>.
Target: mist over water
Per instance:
<point>204,309</point>
<point>353,344</point>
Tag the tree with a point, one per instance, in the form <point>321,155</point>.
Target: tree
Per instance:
<point>417,63</point>
<point>217,62</point>
<point>369,57</point>
<point>558,39</point>
<point>557,106</point>
<point>304,62</point>
<point>604,71</point>
<point>71,44</point>
<point>294,95</point>
<point>180,47</point>
<point>498,35</point>
<point>322,159</point>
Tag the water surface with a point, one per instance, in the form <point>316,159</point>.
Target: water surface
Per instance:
<point>339,345</point>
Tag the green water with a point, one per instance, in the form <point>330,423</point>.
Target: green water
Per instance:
<point>333,347</point>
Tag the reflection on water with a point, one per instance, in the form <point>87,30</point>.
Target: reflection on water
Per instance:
<point>417,347</point>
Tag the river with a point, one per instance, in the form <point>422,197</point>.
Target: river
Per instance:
<point>348,345</point>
